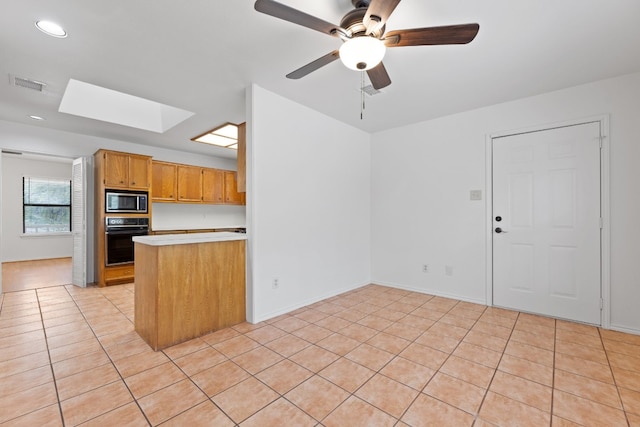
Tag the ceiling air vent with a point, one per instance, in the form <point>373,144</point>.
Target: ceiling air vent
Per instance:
<point>370,90</point>
<point>27,83</point>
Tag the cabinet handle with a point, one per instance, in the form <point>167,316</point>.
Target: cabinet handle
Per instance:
<point>133,183</point>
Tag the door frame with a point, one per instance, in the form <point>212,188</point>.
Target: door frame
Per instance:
<point>605,232</point>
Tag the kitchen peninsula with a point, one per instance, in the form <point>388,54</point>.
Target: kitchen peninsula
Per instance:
<point>187,285</point>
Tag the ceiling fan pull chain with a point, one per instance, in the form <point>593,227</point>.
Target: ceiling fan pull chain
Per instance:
<point>361,95</point>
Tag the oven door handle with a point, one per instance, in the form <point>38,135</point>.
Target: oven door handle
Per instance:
<point>128,232</point>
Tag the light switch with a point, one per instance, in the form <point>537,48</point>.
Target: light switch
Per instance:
<point>475,195</point>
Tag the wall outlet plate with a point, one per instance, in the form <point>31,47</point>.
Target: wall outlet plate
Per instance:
<point>475,195</point>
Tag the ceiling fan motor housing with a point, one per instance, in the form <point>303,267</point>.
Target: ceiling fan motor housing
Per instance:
<point>352,22</point>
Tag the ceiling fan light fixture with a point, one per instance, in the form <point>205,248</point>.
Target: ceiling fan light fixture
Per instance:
<point>362,53</point>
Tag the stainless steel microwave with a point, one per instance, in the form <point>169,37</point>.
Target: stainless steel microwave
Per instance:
<point>126,201</point>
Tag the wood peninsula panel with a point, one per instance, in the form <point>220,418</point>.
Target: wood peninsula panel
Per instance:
<point>146,294</point>
<point>194,288</point>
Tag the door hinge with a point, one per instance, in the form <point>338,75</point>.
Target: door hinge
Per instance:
<point>601,303</point>
<point>601,223</point>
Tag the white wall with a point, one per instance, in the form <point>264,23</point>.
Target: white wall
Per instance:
<point>15,246</point>
<point>422,175</point>
<point>308,213</point>
<point>176,216</point>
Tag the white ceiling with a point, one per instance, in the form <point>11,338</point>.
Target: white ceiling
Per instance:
<point>200,55</point>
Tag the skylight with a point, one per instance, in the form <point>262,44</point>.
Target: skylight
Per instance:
<point>99,103</point>
<point>222,136</point>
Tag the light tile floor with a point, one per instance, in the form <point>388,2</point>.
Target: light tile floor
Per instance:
<point>375,356</point>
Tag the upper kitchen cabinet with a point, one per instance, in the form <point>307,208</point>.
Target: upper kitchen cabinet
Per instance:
<point>179,183</point>
<point>213,186</point>
<point>164,186</point>
<point>125,170</point>
<point>189,183</point>
<point>231,194</point>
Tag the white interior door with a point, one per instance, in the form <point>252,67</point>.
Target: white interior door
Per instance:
<point>547,222</point>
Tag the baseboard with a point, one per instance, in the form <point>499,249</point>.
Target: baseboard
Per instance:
<point>431,292</point>
<point>307,302</point>
<point>624,329</point>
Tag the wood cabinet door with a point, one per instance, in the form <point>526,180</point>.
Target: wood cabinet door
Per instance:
<point>189,183</point>
<point>116,169</point>
<point>139,171</point>
<point>163,182</point>
<point>231,195</point>
<point>212,186</point>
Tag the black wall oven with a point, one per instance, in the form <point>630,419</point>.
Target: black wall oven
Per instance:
<point>119,232</point>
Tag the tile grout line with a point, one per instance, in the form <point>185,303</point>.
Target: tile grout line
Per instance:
<point>615,382</point>
<point>53,375</point>
<point>353,394</point>
<point>110,361</point>
<point>477,414</point>
<point>41,294</point>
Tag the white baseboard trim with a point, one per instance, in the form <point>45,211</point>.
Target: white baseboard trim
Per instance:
<point>306,302</point>
<point>625,329</point>
<point>431,292</point>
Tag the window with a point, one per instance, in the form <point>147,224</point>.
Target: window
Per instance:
<point>46,205</point>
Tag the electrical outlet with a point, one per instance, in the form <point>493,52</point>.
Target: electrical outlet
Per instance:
<point>425,268</point>
<point>275,284</point>
<point>448,270</point>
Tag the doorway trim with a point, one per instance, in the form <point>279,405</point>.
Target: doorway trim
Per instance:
<point>605,232</point>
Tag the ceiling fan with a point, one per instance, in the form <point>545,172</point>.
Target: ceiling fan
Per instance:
<point>363,32</point>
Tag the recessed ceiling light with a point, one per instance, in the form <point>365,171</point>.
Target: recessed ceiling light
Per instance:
<point>37,118</point>
<point>222,136</point>
<point>51,29</point>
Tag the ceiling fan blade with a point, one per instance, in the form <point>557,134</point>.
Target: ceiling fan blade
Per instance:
<point>449,34</point>
<point>378,13</point>
<point>379,76</point>
<point>295,16</point>
<point>312,66</point>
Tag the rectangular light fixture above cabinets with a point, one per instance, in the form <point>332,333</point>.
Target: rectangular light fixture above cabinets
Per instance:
<point>225,135</point>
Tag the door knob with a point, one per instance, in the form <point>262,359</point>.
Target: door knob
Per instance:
<point>498,218</point>
<point>500,230</point>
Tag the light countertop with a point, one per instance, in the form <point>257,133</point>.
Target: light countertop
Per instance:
<point>183,239</point>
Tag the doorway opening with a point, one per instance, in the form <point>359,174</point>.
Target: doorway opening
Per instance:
<point>30,261</point>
